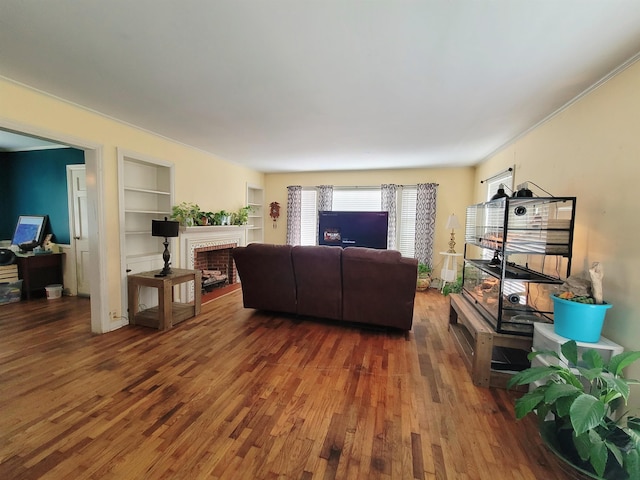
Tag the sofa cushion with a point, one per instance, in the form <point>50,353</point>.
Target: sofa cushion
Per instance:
<point>378,287</point>
<point>318,273</point>
<point>266,274</point>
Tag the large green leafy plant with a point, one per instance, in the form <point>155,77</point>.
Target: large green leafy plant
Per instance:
<point>584,398</point>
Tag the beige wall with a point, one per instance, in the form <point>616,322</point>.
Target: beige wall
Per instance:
<point>199,177</point>
<point>591,150</point>
<point>455,192</point>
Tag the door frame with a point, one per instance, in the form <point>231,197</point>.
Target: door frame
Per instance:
<point>93,159</point>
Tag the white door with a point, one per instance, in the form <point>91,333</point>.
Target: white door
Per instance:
<point>79,223</point>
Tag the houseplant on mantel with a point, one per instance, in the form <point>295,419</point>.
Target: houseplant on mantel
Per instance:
<point>190,215</point>
<point>578,411</point>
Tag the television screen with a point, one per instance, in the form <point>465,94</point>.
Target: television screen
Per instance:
<point>353,229</point>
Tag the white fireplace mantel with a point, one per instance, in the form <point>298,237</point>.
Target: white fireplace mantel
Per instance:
<point>193,238</point>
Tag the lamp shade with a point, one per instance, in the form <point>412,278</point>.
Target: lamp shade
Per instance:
<point>452,222</point>
<point>164,228</point>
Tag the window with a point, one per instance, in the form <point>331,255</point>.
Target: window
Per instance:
<point>406,221</point>
<point>493,183</point>
<point>363,199</point>
<point>309,221</point>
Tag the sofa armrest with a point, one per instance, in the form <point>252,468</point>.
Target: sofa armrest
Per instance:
<point>266,276</point>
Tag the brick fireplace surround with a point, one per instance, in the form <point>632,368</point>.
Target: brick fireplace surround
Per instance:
<point>216,257</point>
<point>211,241</point>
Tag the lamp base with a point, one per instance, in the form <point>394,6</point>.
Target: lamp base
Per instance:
<point>166,256</point>
<point>452,242</point>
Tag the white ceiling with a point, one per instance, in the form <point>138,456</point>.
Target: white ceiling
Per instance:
<point>301,85</point>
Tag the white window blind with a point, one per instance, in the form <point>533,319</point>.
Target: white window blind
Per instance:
<point>406,221</point>
<point>357,199</point>
<point>309,221</point>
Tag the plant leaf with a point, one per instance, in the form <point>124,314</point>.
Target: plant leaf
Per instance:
<point>569,377</point>
<point>557,390</point>
<point>563,404</point>
<point>590,373</point>
<point>586,413</point>
<point>592,359</point>
<point>528,402</point>
<point>617,453</point>
<point>618,385</point>
<point>583,445</point>
<point>547,353</point>
<point>598,454</point>
<point>570,351</point>
<point>621,361</point>
<point>632,463</point>
<point>531,375</point>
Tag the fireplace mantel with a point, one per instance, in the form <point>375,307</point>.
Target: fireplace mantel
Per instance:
<point>192,238</point>
<point>198,237</point>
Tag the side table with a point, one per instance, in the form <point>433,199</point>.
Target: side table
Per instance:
<point>167,313</point>
<point>449,272</point>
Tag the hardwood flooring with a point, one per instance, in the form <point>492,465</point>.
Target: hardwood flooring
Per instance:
<point>240,394</point>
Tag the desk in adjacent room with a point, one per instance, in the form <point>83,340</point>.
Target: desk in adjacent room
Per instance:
<point>38,271</point>
<point>167,313</point>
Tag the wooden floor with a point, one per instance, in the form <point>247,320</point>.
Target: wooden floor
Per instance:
<point>240,394</point>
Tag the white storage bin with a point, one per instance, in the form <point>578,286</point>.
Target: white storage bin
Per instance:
<point>53,291</point>
<point>544,338</point>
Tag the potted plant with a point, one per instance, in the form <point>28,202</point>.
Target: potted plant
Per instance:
<point>578,411</point>
<point>188,214</point>
<point>424,277</point>
<point>453,287</point>
<point>241,217</point>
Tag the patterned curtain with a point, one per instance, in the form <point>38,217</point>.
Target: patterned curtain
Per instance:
<point>325,197</point>
<point>425,222</point>
<point>294,214</point>
<point>324,200</point>
<point>389,205</point>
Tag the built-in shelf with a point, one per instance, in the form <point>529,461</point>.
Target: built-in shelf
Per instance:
<point>146,194</point>
<point>255,227</point>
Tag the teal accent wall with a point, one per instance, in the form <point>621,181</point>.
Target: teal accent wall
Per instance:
<point>35,183</point>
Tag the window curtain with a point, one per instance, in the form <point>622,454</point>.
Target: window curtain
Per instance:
<point>325,197</point>
<point>389,205</point>
<point>425,222</point>
<point>294,214</point>
<point>324,200</point>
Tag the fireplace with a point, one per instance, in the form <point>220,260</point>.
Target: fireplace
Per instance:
<point>210,244</point>
<point>216,264</point>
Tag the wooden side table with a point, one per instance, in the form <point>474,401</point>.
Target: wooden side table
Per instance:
<point>167,313</point>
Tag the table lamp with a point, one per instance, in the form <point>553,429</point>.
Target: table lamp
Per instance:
<point>452,223</point>
<point>167,229</point>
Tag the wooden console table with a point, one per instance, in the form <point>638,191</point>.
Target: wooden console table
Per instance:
<point>475,339</point>
<point>38,271</point>
<point>167,313</point>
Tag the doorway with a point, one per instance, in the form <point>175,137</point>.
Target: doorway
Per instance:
<point>100,321</point>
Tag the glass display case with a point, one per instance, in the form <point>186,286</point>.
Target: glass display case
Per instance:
<point>517,253</point>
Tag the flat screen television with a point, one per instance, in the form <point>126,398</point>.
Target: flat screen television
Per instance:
<point>29,230</point>
<point>353,229</point>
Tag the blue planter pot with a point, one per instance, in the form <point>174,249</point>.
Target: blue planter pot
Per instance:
<point>581,322</point>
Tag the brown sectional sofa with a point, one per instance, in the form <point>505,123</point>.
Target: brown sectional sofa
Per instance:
<point>356,284</point>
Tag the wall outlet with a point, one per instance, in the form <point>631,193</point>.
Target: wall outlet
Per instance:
<point>113,315</point>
